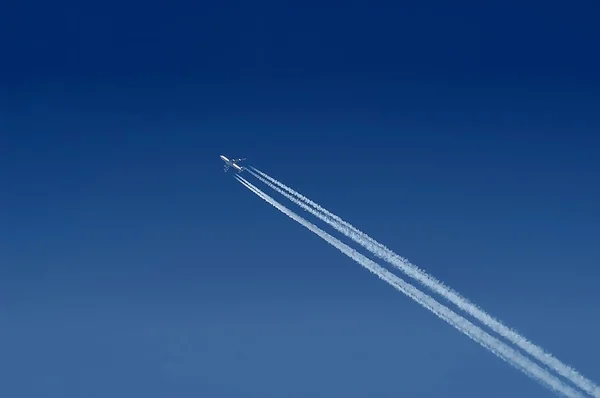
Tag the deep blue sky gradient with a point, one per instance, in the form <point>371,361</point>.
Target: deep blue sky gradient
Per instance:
<point>461,135</point>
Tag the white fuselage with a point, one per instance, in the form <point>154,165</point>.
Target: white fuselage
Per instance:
<point>231,163</point>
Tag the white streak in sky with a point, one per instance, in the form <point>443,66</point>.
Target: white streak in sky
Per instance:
<point>475,333</point>
<point>432,283</point>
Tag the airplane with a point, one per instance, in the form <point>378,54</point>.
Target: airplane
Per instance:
<point>232,163</point>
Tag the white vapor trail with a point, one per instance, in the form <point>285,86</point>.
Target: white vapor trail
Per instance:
<point>497,347</point>
<point>429,281</point>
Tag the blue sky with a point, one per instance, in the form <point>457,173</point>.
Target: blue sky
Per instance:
<point>461,136</point>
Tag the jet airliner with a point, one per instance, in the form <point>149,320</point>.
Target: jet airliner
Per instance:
<point>232,163</point>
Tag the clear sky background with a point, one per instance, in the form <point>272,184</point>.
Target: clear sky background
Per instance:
<point>462,135</point>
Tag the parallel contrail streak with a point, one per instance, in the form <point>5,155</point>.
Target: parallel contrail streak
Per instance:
<point>429,281</point>
<point>475,333</point>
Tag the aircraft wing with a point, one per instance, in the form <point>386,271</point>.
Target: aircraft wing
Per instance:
<point>239,160</point>
<point>226,167</point>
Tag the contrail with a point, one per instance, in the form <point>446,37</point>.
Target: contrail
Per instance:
<point>429,281</point>
<point>497,347</point>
